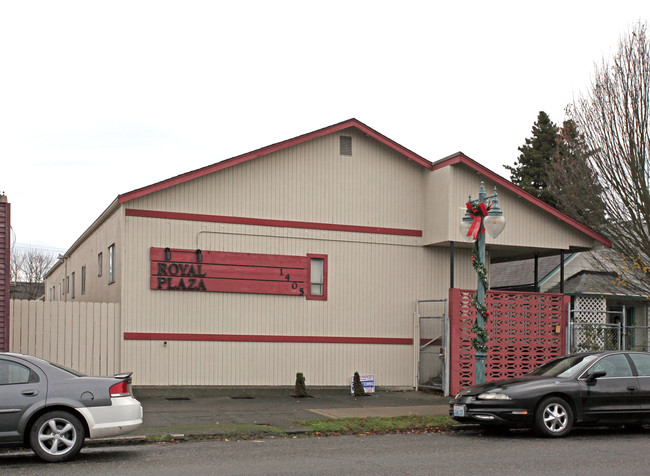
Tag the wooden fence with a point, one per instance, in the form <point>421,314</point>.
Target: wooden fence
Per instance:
<point>82,336</point>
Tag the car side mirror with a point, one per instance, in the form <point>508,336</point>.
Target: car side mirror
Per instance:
<point>595,375</point>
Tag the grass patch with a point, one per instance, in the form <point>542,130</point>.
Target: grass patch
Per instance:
<point>412,423</point>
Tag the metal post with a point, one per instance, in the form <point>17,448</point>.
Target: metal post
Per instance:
<point>479,364</point>
<point>561,271</point>
<point>622,330</point>
<point>570,339</point>
<point>451,265</point>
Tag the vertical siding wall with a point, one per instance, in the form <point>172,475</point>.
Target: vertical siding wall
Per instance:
<point>310,182</point>
<point>526,224</point>
<point>372,289</point>
<point>374,279</point>
<point>98,289</point>
<point>82,336</point>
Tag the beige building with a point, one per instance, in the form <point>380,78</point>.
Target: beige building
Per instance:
<point>304,256</point>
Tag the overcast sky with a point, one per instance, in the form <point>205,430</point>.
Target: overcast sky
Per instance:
<point>100,98</point>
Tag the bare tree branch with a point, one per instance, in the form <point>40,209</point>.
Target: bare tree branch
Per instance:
<point>28,269</point>
<point>614,118</point>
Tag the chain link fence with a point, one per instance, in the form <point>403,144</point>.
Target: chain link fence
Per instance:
<point>587,337</point>
<point>594,337</point>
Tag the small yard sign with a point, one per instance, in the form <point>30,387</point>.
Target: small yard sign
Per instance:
<point>368,382</point>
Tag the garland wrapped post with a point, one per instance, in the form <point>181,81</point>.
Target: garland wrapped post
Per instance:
<point>487,206</point>
<point>478,212</point>
<point>480,341</point>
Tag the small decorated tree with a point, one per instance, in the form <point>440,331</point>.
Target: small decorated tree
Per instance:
<point>301,388</point>
<point>357,386</point>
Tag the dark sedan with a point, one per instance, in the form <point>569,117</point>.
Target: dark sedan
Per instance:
<point>578,389</point>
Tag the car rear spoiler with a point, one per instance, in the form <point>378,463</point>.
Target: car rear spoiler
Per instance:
<point>124,376</point>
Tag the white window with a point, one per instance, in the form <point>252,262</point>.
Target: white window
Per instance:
<point>318,277</point>
<point>111,264</point>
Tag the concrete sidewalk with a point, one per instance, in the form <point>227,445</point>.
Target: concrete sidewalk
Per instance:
<point>191,414</point>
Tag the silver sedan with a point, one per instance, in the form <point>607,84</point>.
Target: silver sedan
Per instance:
<point>52,409</point>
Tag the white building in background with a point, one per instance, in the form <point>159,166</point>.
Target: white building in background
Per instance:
<point>304,256</point>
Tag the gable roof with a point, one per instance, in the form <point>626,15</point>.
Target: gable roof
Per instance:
<point>170,182</point>
<point>599,283</point>
<point>460,158</point>
<point>457,158</point>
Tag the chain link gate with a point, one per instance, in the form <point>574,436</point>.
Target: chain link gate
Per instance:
<point>431,343</point>
<point>589,331</point>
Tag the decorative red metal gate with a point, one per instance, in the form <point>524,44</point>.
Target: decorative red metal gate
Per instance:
<point>525,329</point>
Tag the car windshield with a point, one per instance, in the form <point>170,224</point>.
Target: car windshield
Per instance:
<point>564,367</point>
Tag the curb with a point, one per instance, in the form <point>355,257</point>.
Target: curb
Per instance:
<point>166,437</point>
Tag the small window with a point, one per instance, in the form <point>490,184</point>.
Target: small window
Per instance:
<point>12,373</point>
<point>83,279</point>
<point>67,284</point>
<point>615,365</point>
<point>72,293</point>
<point>111,264</point>
<point>642,364</point>
<point>345,145</point>
<point>60,293</point>
<point>99,264</point>
<point>318,277</point>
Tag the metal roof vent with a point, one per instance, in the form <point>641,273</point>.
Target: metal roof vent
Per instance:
<point>345,145</point>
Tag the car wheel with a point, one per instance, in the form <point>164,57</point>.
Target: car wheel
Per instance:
<point>56,436</point>
<point>553,417</point>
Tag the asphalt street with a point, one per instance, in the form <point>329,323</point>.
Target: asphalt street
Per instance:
<point>585,452</point>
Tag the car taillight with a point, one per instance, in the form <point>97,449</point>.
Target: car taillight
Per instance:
<point>120,390</point>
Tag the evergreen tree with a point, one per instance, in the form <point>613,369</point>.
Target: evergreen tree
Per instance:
<point>357,386</point>
<point>572,180</point>
<point>300,388</point>
<point>530,172</point>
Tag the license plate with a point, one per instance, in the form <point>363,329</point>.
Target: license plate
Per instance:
<point>459,410</point>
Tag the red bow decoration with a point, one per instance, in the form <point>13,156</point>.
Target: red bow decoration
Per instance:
<point>477,213</point>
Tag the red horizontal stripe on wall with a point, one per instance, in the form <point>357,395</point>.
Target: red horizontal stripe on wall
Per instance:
<point>134,212</point>
<point>266,338</point>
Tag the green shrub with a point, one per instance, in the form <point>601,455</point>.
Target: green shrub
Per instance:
<point>301,388</point>
<point>357,386</point>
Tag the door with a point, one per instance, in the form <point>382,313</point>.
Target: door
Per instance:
<point>614,396</point>
<point>430,343</point>
<point>22,389</point>
<point>642,365</point>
